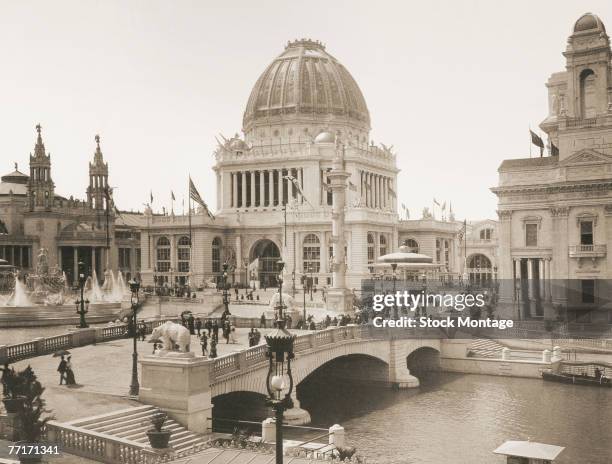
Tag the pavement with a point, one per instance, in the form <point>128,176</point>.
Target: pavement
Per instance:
<point>103,373</point>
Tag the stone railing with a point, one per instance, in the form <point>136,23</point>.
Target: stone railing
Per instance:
<point>107,448</point>
<point>234,363</point>
<point>80,337</point>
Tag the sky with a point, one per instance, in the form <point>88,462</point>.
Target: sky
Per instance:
<point>453,85</point>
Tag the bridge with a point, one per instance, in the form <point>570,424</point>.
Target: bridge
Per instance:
<point>187,387</point>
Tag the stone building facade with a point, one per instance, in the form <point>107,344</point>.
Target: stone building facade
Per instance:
<point>34,217</point>
<point>555,211</point>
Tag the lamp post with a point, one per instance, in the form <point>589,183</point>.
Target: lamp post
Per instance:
<point>279,381</point>
<point>394,268</point>
<point>134,385</point>
<point>226,310</point>
<point>304,313</point>
<point>311,283</point>
<point>293,283</point>
<point>82,305</point>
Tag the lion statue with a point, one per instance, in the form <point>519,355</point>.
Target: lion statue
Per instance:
<point>174,336</point>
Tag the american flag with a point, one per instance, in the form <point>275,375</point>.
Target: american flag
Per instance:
<point>195,196</point>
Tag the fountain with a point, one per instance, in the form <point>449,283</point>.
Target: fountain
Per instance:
<point>19,297</point>
<point>113,290</point>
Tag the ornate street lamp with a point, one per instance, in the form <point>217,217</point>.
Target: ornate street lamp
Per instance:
<point>82,305</point>
<point>279,381</point>
<point>134,385</point>
<point>226,302</point>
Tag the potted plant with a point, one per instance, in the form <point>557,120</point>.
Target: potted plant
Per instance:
<point>31,420</point>
<point>12,383</point>
<point>159,438</point>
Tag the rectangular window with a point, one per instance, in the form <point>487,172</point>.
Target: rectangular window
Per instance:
<point>588,291</point>
<point>586,232</point>
<point>531,235</point>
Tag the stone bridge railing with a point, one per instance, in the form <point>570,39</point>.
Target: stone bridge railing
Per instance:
<point>234,364</point>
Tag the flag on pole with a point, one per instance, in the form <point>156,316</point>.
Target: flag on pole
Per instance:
<point>195,196</point>
<point>436,202</point>
<point>172,195</point>
<point>537,141</point>
<point>151,195</point>
<point>554,150</point>
<point>463,231</point>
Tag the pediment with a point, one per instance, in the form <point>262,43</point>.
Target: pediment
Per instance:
<point>587,157</point>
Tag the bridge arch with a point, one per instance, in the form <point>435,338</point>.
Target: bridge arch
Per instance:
<point>423,359</point>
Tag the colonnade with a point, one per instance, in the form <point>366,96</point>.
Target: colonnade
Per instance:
<point>17,255</point>
<point>376,190</point>
<point>537,274</point>
<point>264,188</point>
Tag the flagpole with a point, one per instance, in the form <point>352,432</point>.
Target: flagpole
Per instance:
<point>190,238</point>
<point>530,142</point>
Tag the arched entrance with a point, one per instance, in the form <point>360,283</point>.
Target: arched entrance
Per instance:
<point>480,269</point>
<point>264,258</point>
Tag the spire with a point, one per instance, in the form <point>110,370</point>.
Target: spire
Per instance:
<point>39,148</point>
<point>98,158</point>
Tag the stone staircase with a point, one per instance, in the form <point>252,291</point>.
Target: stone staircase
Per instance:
<point>133,423</point>
<point>485,348</point>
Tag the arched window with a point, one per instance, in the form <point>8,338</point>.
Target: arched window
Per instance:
<point>312,254</point>
<point>216,254</point>
<point>383,245</point>
<point>479,268</point>
<point>588,100</point>
<point>183,254</point>
<point>163,254</point>
<point>412,244</point>
<point>371,246</point>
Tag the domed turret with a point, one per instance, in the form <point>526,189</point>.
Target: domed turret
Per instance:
<point>589,22</point>
<point>305,88</point>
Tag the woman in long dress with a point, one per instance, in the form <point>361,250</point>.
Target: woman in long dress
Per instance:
<point>69,372</point>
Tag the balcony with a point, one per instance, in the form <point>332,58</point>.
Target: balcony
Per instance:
<point>587,251</point>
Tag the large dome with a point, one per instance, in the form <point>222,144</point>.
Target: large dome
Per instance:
<point>306,84</point>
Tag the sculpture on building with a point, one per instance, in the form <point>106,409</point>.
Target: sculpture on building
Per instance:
<point>174,337</point>
<point>426,213</point>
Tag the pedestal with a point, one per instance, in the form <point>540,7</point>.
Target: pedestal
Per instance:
<point>340,300</point>
<point>180,386</point>
<point>296,415</point>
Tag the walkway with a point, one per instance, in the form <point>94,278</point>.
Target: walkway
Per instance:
<point>103,373</point>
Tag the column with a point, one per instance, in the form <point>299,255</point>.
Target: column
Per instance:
<point>271,187</point>
<point>243,188</point>
<point>60,264</point>
<point>542,278</point>
<point>548,279</point>
<point>384,196</point>
<point>93,261</point>
<point>530,278</point>
<point>281,184</point>
<point>301,181</point>
<point>262,190</point>
<point>75,265</point>
<point>369,189</point>
<point>380,191</point>
<point>252,176</point>
<point>234,190</point>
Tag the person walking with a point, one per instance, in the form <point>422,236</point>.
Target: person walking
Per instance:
<point>69,372</point>
<point>252,337</point>
<point>208,326</point>
<point>6,373</point>
<point>232,335</point>
<point>62,369</point>
<point>262,321</point>
<point>213,349</point>
<point>198,325</point>
<point>191,324</point>
<point>204,343</point>
<point>215,331</point>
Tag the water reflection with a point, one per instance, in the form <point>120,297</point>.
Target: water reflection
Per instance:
<point>461,418</point>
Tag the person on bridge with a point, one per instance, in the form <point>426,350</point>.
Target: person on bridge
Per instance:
<point>6,373</point>
<point>213,348</point>
<point>62,369</point>
<point>262,321</point>
<point>204,343</point>
<point>69,372</point>
<point>208,326</point>
<point>215,331</point>
<point>198,325</point>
